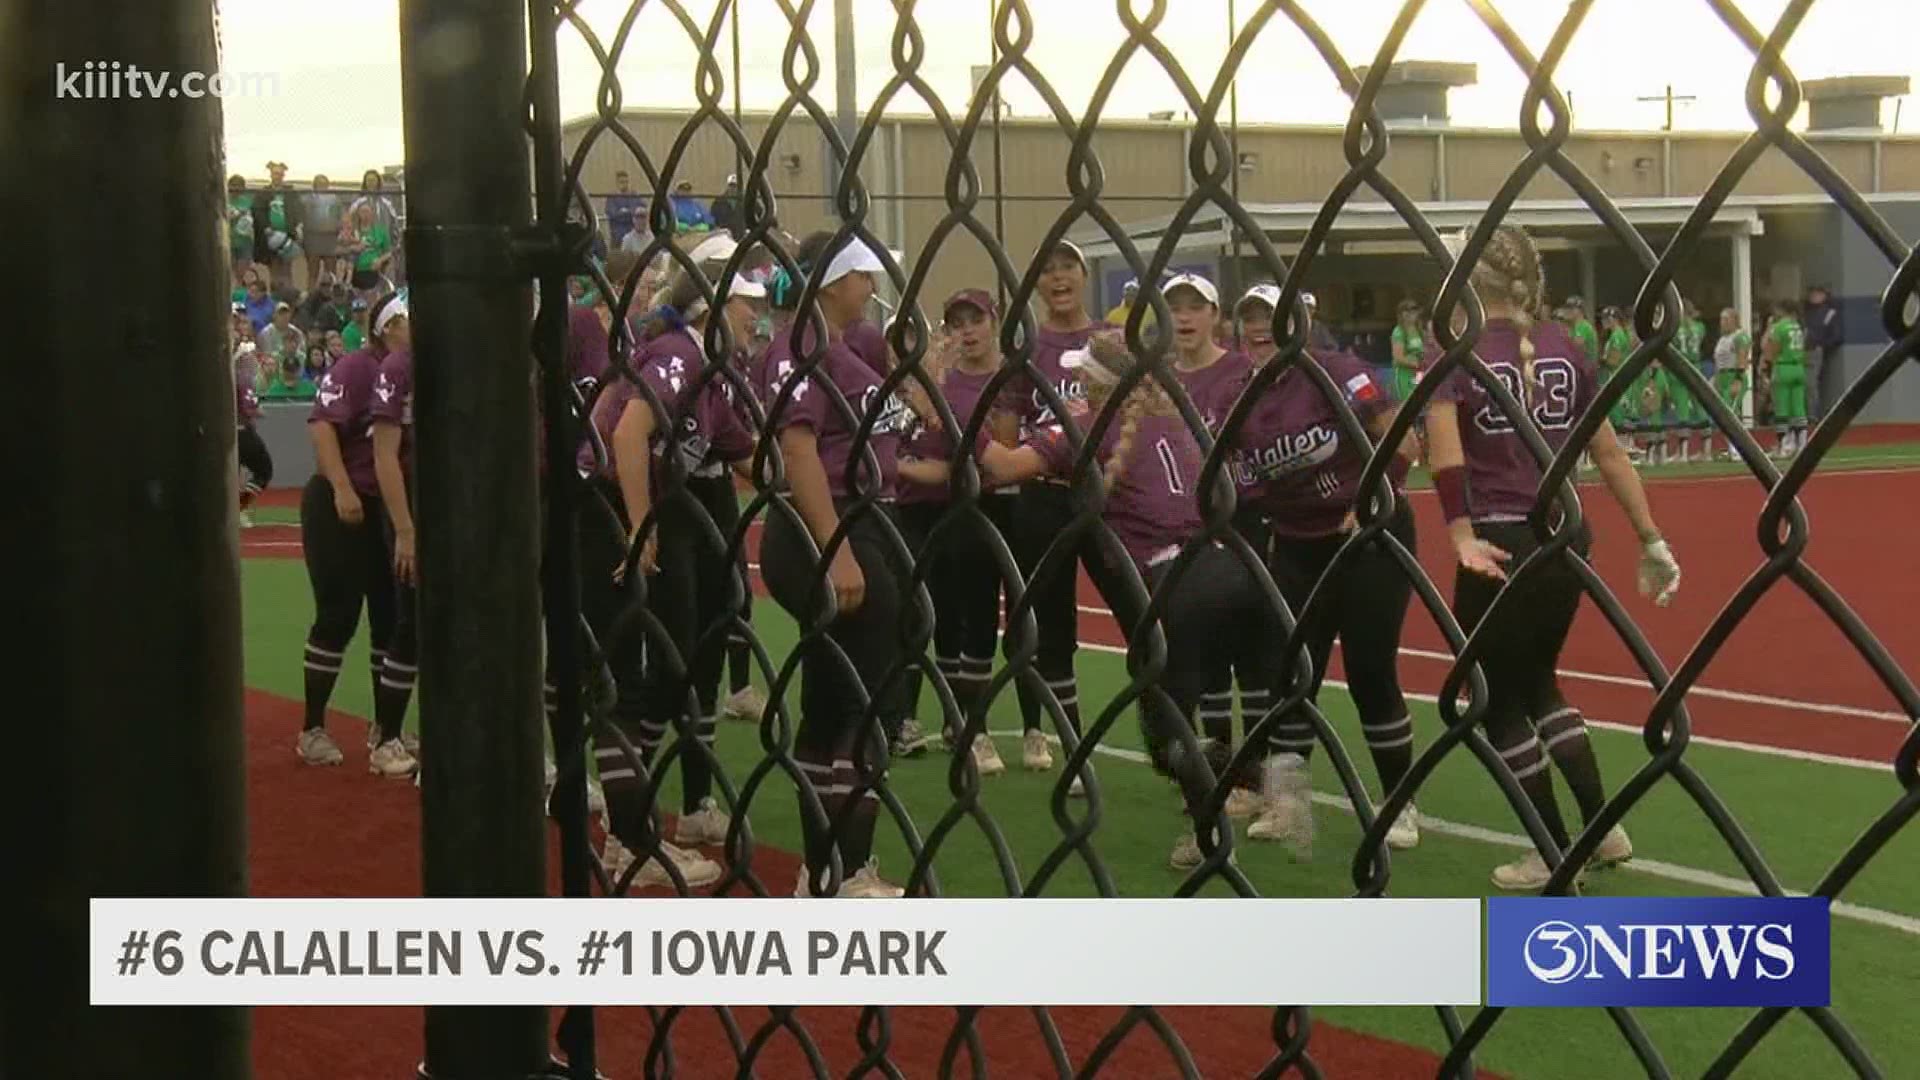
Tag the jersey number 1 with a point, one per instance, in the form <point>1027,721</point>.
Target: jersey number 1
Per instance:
<point>1171,464</point>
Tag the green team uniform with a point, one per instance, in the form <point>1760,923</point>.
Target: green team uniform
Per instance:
<point>1789,372</point>
<point>1687,412</point>
<point>1626,411</point>
<point>1589,340</point>
<point>1729,380</point>
<point>1413,344</point>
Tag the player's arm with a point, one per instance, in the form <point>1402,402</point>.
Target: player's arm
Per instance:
<point>1447,457</point>
<point>1659,575</point>
<point>925,473</point>
<point>393,493</point>
<point>633,468</point>
<point>326,454</point>
<point>1378,426</point>
<point>1011,465</point>
<point>1399,351</point>
<point>813,498</point>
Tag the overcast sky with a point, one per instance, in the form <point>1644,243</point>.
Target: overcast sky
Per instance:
<point>336,62</point>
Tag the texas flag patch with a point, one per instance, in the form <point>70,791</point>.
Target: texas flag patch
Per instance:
<point>1361,388</point>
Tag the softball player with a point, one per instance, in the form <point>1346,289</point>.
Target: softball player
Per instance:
<point>1486,480</point>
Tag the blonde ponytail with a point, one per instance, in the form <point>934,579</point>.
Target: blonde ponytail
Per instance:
<point>1510,268</point>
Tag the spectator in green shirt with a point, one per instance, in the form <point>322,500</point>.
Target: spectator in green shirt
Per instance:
<point>1409,344</point>
<point>1582,329</point>
<point>289,383</point>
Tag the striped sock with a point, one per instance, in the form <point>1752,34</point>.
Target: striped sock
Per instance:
<point>1392,747</point>
<point>322,670</point>
<point>1564,734</point>
<point>1216,716</point>
<point>391,693</point>
<point>1529,765</point>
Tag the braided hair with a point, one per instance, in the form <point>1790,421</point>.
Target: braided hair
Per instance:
<point>1149,398</point>
<point>1510,269</point>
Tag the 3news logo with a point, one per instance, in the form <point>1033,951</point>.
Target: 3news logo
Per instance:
<point>1746,951</point>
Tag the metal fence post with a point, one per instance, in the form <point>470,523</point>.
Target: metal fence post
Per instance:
<point>130,655</point>
<point>463,73</point>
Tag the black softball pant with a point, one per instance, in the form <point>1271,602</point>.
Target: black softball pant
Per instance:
<point>649,696</point>
<point>1216,708</point>
<point>1366,608</point>
<point>1528,719</point>
<point>255,459</point>
<point>1216,591</point>
<point>1041,513</point>
<point>836,752</point>
<point>965,584</point>
<point>348,566</point>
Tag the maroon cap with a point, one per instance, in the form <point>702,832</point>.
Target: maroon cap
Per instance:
<point>978,298</point>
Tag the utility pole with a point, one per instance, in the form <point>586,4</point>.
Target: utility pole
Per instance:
<point>843,71</point>
<point>1670,98</point>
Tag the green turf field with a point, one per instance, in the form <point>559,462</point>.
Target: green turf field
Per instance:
<point>1800,814</point>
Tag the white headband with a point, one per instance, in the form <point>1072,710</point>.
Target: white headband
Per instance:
<point>1266,294</point>
<point>394,309</point>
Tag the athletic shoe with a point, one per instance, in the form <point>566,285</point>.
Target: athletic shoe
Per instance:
<point>707,825</point>
<point>316,747</point>
<point>1287,813</point>
<point>1528,873</point>
<point>1035,754</point>
<point>746,703</point>
<point>863,884</point>
<point>911,741</point>
<point>373,736</point>
<point>1614,849</point>
<point>391,760</point>
<point>1187,855</point>
<point>1404,833</point>
<point>696,868</point>
<point>986,756</point>
<point>1242,804</point>
<point>596,798</point>
<point>412,742</point>
<point>1077,789</point>
<point>246,519</point>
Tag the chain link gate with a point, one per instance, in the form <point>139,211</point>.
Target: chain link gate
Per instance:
<point>578,662</point>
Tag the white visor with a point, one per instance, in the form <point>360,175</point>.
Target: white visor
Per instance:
<point>718,248</point>
<point>1307,299</point>
<point>1075,359</point>
<point>394,309</point>
<point>856,257</point>
<point>1192,281</point>
<point>1265,294</point>
<point>747,288</point>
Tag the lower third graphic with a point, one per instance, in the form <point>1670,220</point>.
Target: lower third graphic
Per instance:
<point>1746,951</point>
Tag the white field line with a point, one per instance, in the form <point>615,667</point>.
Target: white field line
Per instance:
<point>1624,680</point>
<point>1708,879</point>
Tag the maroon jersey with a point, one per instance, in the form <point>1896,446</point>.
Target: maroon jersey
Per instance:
<point>809,407</point>
<point>1025,399</point>
<point>1291,459</point>
<point>1502,476</point>
<point>393,399</point>
<point>586,345</point>
<point>962,390</point>
<point>1152,509</point>
<point>711,431</point>
<point>344,399</point>
<point>1216,387</point>
<point>869,344</point>
<point>246,404</point>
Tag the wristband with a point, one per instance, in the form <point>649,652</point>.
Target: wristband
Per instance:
<point>1451,485</point>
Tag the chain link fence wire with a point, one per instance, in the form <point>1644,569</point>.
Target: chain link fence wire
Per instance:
<point>582,664</point>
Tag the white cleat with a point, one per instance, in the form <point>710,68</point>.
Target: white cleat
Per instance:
<point>391,760</point>
<point>1035,754</point>
<point>1528,873</point>
<point>1287,811</point>
<point>707,825</point>
<point>316,747</point>
<point>1404,833</point>
<point>1242,804</point>
<point>696,868</point>
<point>1614,849</point>
<point>747,704</point>
<point>986,756</point>
<point>863,884</point>
<point>1187,855</point>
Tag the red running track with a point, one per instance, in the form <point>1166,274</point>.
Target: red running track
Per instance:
<point>316,832</point>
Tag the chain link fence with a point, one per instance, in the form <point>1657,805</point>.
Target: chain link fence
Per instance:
<point>587,668</point>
